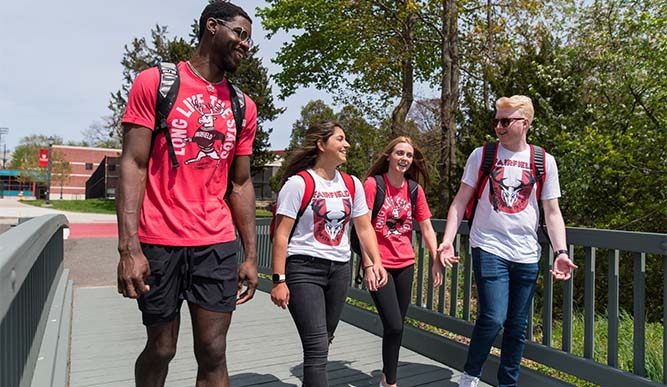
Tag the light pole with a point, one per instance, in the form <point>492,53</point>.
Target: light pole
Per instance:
<point>48,173</point>
<point>3,131</point>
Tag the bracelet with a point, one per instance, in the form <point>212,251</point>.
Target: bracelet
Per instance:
<point>559,252</point>
<point>366,267</point>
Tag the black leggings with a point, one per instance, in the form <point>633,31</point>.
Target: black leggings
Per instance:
<point>392,302</point>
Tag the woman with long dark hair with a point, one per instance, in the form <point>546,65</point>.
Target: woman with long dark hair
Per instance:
<point>396,173</point>
<point>311,251</point>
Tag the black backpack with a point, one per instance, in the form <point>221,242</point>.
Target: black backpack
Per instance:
<point>380,194</point>
<point>167,92</point>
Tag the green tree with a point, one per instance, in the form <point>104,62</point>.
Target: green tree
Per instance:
<point>359,50</point>
<point>26,157</point>
<point>365,140</point>
<point>252,77</point>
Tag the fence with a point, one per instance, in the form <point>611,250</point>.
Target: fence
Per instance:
<point>34,310</point>
<point>449,307</point>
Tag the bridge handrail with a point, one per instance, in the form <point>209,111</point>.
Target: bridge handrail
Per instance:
<point>31,266</point>
<point>433,308</point>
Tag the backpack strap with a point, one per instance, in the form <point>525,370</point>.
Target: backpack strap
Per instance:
<point>349,184</point>
<point>489,156</point>
<point>237,99</point>
<point>167,92</point>
<point>538,166</point>
<point>380,194</point>
<point>537,156</point>
<point>308,192</point>
<point>413,190</point>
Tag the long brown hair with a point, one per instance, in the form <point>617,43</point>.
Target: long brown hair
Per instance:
<point>418,170</point>
<point>305,156</point>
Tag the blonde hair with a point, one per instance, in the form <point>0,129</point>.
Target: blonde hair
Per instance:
<point>517,102</point>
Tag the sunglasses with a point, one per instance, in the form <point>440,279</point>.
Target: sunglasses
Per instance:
<point>242,34</point>
<point>505,122</point>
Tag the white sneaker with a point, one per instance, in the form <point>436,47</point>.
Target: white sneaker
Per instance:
<point>468,381</point>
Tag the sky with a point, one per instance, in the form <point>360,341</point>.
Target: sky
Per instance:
<point>60,61</point>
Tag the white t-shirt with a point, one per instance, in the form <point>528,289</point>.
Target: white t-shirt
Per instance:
<point>322,230</point>
<point>506,222</point>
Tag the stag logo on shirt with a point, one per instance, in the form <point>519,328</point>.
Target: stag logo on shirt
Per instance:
<point>510,192</point>
<point>329,219</point>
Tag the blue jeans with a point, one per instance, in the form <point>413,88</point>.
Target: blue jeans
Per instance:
<point>504,294</point>
<point>318,288</point>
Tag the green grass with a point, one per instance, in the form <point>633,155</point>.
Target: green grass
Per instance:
<point>100,206</point>
<point>97,206</point>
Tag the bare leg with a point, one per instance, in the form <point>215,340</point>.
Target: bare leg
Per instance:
<point>210,341</point>
<point>150,369</point>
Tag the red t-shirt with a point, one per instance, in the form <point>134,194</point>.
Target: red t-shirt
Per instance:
<point>393,223</point>
<point>185,206</point>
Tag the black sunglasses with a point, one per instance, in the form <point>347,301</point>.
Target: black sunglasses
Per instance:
<point>505,122</point>
<point>243,35</point>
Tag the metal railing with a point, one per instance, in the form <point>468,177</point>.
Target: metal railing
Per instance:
<point>451,306</point>
<point>31,271</point>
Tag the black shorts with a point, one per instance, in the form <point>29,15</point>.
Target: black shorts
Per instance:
<point>203,275</point>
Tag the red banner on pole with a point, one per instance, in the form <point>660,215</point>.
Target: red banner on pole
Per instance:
<point>43,158</point>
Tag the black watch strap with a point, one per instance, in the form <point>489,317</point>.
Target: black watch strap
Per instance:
<point>559,252</point>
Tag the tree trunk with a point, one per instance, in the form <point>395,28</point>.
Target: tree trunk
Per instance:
<point>449,96</point>
<point>400,113</point>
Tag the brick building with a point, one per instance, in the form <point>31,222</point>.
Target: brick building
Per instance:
<point>82,163</point>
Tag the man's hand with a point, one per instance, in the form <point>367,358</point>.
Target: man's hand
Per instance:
<point>563,267</point>
<point>247,274</point>
<point>446,254</point>
<point>280,295</point>
<point>133,269</point>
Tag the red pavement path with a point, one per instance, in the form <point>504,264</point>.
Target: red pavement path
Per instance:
<point>93,230</point>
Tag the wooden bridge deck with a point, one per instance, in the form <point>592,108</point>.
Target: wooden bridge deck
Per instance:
<point>263,348</point>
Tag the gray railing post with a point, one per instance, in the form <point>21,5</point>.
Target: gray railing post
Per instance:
<point>589,304</point>
<point>639,301</point>
<point>612,309</point>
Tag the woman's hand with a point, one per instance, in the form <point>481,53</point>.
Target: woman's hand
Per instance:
<point>280,294</point>
<point>436,272</point>
<point>380,273</point>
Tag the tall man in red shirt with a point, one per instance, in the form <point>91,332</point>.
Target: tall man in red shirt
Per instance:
<point>176,230</point>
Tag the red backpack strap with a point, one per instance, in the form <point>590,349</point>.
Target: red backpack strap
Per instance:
<point>489,157</point>
<point>307,192</point>
<point>349,183</point>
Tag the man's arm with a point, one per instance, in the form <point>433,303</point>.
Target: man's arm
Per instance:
<point>556,228</point>
<point>242,206</point>
<point>454,218</point>
<point>133,268</point>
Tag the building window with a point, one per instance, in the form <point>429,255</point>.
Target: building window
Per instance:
<point>89,166</point>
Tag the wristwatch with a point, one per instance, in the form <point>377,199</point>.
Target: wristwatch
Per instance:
<point>559,252</point>
<point>278,278</point>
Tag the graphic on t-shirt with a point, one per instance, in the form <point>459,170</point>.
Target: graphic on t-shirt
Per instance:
<point>510,189</point>
<point>205,136</point>
<point>330,215</point>
<point>399,220</point>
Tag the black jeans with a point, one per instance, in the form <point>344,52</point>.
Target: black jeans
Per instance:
<point>392,302</point>
<point>318,288</point>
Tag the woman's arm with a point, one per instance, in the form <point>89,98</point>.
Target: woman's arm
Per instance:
<point>374,273</point>
<point>428,234</point>
<point>284,225</point>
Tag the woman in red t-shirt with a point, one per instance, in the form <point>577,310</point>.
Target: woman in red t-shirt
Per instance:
<point>401,160</point>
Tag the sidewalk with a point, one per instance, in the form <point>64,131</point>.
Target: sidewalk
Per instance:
<point>11,209</point>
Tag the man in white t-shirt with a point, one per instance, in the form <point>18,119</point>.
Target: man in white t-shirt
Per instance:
<point>505,249</point>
